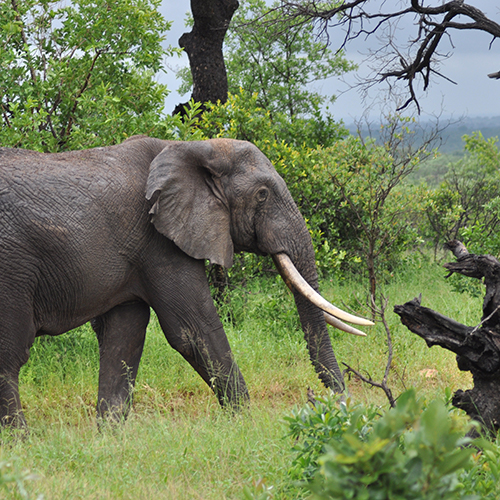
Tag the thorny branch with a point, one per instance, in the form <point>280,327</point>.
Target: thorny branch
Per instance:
<point>422,59</point>
<point>368,379</point>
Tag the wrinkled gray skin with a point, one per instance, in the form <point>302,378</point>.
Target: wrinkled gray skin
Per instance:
<point>104,234</point>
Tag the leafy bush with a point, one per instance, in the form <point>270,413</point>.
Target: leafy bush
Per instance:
<point>313,427</point>
<point>406,453</point>
<point>466,205</point>
<point>483,478</point>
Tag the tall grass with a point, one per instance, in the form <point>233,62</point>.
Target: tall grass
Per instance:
<point>177,442</point>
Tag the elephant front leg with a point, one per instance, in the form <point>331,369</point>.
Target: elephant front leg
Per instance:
<point>121,333</point>
<point>210,355</point>
<point>193,328</point>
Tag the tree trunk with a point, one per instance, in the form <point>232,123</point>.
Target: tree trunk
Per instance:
<point>203,46</point>
<point>204,49</point>
<point>477,348</point>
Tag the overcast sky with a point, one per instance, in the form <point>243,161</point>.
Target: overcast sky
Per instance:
<point>471,60</point>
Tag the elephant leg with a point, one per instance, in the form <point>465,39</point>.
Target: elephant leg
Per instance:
<point>121,333</point>
<point>11,414</point>
<point>16,338</point>
<point>210,355</point>
<point>192,326</point>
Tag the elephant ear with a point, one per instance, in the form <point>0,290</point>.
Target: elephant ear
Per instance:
<point>191,208</point>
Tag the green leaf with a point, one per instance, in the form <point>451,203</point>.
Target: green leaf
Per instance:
<point>457,460</point>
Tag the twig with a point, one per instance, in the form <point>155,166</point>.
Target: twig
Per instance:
<point>381,385</point>
<point>476,328</point>
<point>371,382</point>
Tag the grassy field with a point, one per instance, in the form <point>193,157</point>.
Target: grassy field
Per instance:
<point>177,442</point>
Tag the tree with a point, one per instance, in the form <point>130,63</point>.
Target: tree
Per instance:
<point>203,46</point>
<point>466,205</point>
<point>380,209</point>
<point>279,66</point>
<point>363,18</point>
<point>79,74</point>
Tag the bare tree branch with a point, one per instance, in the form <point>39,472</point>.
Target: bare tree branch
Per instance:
<point>368,379</point>
<point>433,23</point>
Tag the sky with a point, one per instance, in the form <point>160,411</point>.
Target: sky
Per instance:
<point>472,59</point>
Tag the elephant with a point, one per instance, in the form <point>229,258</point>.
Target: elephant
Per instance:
<point>107,234</point>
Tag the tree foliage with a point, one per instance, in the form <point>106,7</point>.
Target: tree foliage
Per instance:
<point>279,65</point>
<point>466,206</point>
<point>79,74</point>
<point>276,71</point>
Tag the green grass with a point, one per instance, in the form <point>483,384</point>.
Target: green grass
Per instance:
<point>177,442</point>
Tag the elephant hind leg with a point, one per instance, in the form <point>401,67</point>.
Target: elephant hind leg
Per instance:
<point>121,333</point>
<point>11,414</point>
<point>16,338</point>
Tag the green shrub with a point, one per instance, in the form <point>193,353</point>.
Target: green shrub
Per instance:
<point>406,453</point>
<point>466,204</point>
<point>483,478</point>
<point>313,427</point>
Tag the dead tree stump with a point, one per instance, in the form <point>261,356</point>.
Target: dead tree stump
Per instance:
<point>477,348</point>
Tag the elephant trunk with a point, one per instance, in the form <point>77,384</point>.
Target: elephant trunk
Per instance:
<point>319,344</point>
<point>312,318</point>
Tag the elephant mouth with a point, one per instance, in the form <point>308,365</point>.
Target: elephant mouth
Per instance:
<point>333,315</point>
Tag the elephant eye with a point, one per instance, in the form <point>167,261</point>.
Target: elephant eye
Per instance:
<point>262,195</point>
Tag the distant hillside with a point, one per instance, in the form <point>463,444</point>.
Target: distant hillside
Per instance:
<point>452,136</point>
<point>432,171</point>
<point>452,133</point>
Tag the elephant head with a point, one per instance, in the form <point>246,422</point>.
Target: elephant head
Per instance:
<point>216,197</point>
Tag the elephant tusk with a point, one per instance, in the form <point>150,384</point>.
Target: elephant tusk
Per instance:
<point>292,277</point>
<point>335,322</point>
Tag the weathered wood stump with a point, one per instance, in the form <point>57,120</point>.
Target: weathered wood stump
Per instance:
<point>477,348</point>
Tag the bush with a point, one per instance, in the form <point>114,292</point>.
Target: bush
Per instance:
<point>466,205</point>
<point>408,452</point>
<point>483,478</point>
<point>313,427</point>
